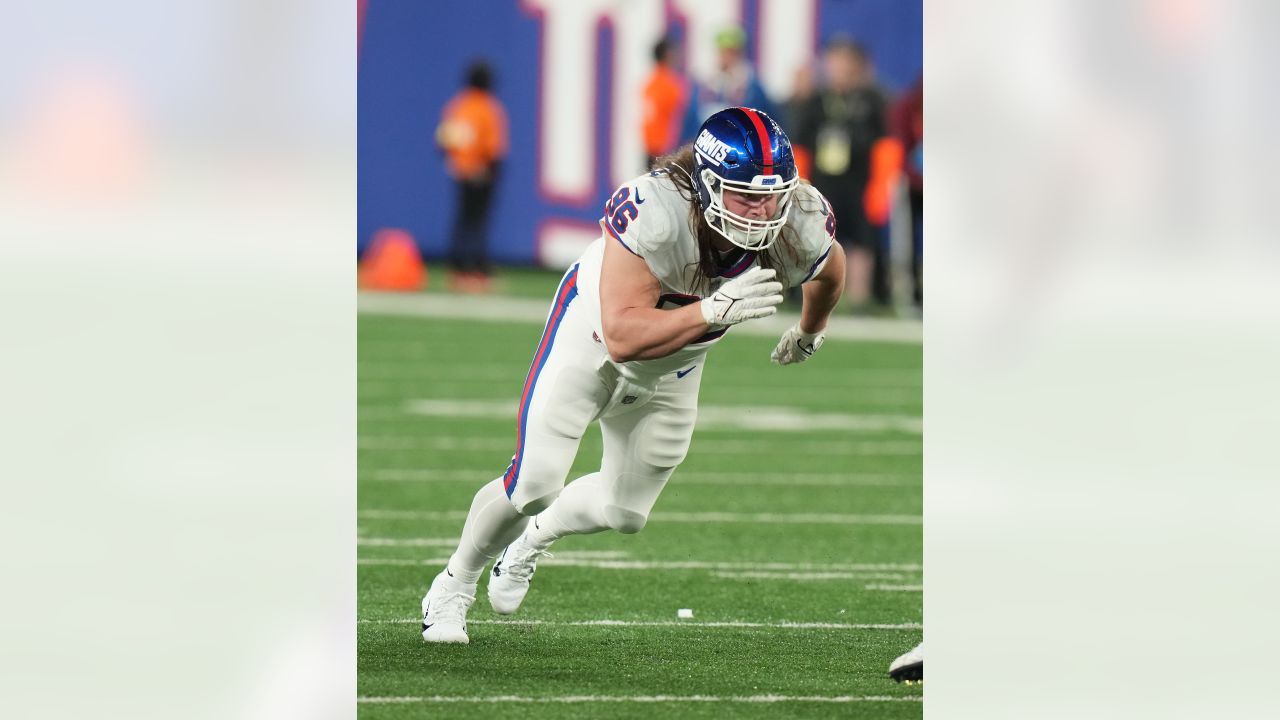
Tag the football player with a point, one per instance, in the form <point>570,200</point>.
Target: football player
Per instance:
<point>707,240</point>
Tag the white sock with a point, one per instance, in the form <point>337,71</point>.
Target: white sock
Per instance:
<point>578,511</point>
<point>492,524</point>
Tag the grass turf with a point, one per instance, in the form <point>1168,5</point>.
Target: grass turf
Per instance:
<point>843,570</point>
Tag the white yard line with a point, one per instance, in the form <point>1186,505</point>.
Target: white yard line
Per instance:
<point>701,445</point>
<point>577,699</point>
<point>809,576</point>
<point>479,476</point>
<point>897,588</point>
<point>412,514</point>
<point>772,418</point>
<point>492,308</point>
<point>434,442</point>
<point>676,623</point>
<point>445,542</point>
<point>407,542</point>
<point>397,369</point>
<point>684,517</point>
<point>791,518</point>
<point>582,559</point>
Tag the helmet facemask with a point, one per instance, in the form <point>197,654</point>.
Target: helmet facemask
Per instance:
<point>746,233</point>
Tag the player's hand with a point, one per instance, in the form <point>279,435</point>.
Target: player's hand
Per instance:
<point>753,294</point>
<point>796,346</point>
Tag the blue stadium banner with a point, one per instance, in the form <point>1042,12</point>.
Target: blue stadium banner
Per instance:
<point>570,74</point>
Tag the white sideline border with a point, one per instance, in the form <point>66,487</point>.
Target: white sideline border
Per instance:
<point>673,623</point>
<point>766,418</point>
<point>744,575</point>
<point>701,446</point>
<point>404,699</point>
<point>387,371</point>
<point>581,559</point>
<point>815,575</point>
<point>478,476</point>
<point>683,517</point>
<point>492,308</point>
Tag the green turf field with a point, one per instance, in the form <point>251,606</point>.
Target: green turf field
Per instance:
<point>798,551</point>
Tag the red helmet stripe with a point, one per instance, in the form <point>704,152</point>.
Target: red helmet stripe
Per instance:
<point>764,139</point>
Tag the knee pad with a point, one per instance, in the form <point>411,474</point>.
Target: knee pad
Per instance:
<point>623,520</point>
<point>665,441</point>
<point>532,506</point>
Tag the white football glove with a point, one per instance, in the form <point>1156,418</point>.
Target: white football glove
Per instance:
<point>753,294</point>
<point>796,346</point>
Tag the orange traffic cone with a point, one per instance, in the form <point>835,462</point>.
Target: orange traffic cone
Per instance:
<point>392,263</point>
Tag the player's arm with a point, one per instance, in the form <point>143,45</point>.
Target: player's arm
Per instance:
<point>634,327</point>
<point>822,292</point>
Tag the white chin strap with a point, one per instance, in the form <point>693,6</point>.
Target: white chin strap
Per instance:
<point>746,233</point>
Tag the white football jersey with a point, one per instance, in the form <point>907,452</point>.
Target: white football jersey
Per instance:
<point>650,218</point>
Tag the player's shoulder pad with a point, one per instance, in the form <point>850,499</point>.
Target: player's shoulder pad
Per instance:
<point>638,214</point>
<point>810,208</point>
<point>815,224</point>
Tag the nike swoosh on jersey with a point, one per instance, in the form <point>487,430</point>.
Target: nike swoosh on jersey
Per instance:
<point>682,373</point>
<point>639,201</point>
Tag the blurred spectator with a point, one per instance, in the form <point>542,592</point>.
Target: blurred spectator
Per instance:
<point>906,120</point>
<point>473,135</point>
<point>734,84</point>
<point>838,127</point>
<point>802,89</point>
<point>664,103</point>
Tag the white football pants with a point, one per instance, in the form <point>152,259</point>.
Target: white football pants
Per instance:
<point>571,383</point>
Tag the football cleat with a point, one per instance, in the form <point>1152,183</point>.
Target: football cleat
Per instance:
<point>444,610</point>
<point>509,581</point>
<point>909,667</point>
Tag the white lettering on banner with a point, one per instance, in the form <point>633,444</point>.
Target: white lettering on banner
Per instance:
<point>567,106</point>
<point>636,27</point>
<point>786,41</point>
<point>561,242</point>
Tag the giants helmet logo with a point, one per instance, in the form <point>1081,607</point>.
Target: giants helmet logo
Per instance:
<point>711,148</point>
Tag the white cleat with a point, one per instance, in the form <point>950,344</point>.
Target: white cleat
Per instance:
<point>909,667</point>
<point>509,581</point>
<point>444,610</point>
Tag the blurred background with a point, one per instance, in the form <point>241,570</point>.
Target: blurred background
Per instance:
<point>581,94</point>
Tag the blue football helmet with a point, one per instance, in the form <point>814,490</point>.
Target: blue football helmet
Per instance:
<point>743,150</point>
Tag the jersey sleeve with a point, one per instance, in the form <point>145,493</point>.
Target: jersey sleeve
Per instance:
<point>815,225</point>
<point>634,217</point>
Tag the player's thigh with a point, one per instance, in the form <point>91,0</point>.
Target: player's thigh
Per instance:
<point>563,394</point>
<point>643,448</point>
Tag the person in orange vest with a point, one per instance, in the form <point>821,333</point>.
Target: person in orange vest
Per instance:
<point>665,94</point>
<point>473,135</point>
